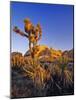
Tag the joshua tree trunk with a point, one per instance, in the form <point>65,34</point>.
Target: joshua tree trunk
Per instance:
<point>34,58</point>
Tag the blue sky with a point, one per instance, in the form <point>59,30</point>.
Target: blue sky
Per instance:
<point>56,22</point>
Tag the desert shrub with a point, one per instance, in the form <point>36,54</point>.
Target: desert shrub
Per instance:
<point>17,60</point>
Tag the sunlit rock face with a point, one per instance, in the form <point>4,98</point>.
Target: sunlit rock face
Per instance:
<point>45,53</point>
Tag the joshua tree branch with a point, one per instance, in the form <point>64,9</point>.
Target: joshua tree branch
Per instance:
<point>18,31</point>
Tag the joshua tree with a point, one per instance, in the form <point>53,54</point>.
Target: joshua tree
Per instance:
<point>33,33</point>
